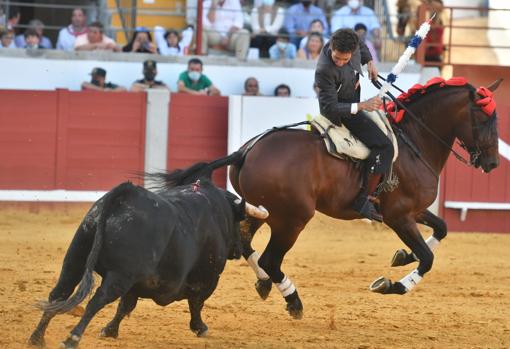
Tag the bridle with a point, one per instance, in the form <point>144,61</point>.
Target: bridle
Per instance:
<point>474,151</point>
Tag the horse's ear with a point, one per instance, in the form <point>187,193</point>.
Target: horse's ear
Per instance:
<point>495,85</point>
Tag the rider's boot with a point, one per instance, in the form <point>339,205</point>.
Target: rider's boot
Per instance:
<point>364,204</point>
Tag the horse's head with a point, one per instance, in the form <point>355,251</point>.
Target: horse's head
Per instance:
<point>479,134</point>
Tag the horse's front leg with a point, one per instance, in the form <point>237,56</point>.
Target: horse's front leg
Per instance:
<point>408,232</point>
<point>402,257</point>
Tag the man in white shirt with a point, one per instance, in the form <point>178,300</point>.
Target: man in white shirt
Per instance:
<point>223,27</point>
<point>95,40</point>
<point>67,35</point>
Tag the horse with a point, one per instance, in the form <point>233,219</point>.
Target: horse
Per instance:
<point>290,173</point>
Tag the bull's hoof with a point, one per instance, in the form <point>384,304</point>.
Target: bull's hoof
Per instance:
<point>294,306</point>
<point>385,286</point>
<point>402,257</point>
<point>71,342</point>
<point>263,288</point>
<point>199,329</point>
<point>110,331</point>
<point>36,340</point>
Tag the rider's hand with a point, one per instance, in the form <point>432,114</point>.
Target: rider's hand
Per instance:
<point>372,70</point>
<point>372,104</point>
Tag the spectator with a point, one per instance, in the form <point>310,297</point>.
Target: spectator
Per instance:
<point>266,20</point>
<point>354,12</point>
<point>313,48</point>
<point>282,90</point>
<point>361,31</point>
<point>315,26</point>
<point>251,87</point>
<point>94,39</point>
<point>38,26</point>
<point>283,48</point>
<point>192,80</point>
<point>7,39</point>
<point>299,17</point>
<point>168,41</point>
<point>14,17</point>
<point>67,35</point>
<point>149,78</point>
<point>32,39</point>
<point>434,46</point>
<point>98,82</point>
<point>141,42</point>
<point>223,27</point>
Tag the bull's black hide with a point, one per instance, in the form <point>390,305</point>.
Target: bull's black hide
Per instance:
<point>167,246</point>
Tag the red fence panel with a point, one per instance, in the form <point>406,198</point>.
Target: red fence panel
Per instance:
<point>70,140</point>
<point>198,128</point>
<point>463,184</point>
<point>28,139</point>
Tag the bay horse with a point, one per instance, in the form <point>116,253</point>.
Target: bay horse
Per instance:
<point>291,174</point>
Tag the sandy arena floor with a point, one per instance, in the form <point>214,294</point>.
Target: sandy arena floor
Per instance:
<point>464,302</point>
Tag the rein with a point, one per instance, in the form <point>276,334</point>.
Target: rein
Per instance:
<point>475,154</point>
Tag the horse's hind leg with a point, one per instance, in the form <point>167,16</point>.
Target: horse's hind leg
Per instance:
<point>126,305</point>
<point>402,257</point>
<point>248,230</point>
<point>112,287</point>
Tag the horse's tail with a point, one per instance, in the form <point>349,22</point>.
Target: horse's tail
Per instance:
<point>87,282</point>
<point>195,172</point>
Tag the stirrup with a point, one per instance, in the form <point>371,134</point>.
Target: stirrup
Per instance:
<point>368,210</point>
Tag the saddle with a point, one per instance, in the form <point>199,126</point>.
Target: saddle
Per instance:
<point>342,144</point>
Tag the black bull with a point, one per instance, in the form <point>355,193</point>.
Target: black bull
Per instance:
<point>167,246</point>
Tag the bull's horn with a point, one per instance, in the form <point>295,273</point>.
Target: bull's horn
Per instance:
<point>492,87</point>
<point>257,212</point>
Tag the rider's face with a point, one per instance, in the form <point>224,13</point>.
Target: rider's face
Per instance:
<point>340,58</point>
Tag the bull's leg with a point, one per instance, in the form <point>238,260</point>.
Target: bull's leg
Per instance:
<point>126,305</point>
<point>196,301</point>
<point>248,229</point>
<point>283,237</point>
<point>112,287</point>
<point>402,257</point>
<point>408,232</point>
<point>70,275</point>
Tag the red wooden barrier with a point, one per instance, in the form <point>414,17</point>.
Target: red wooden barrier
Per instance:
<point>460,183</point>
<point>198,128</point>
<point>70,140</point>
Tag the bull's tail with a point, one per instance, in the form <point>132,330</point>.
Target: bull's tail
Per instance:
<point>197,171</point>
<point>87,282</point>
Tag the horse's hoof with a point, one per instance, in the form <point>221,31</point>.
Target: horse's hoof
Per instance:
<point>380,285</point>
<point>109,332</point>
<point>294,306</point>
<point>71,342</point>
<point>263,288</point>
<point>402,257</point>
<point>36,340</point>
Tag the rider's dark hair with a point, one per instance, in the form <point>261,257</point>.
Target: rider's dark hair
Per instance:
<point>344,40</point>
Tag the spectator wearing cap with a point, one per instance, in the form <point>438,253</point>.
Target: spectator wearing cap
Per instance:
<point>194,82</point>
<point>283,48</point>
<point>94,39</point>
<point>282,90</point>
<point>7,39</point>
<point>141,42</point>
<point>68,35</point>
<point>149,78</point>
<point>169,42</point>
<point>98,82</point>
<point>251,87</point>
<point>38,26</point>
<point>223,27</point>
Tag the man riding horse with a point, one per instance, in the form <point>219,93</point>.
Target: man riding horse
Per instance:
<point>337,76</point>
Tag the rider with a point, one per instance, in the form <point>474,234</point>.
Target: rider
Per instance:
<point>337,76</point>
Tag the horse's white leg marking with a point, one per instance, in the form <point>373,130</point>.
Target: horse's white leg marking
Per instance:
<point>432,243</point>
<point>411,280</point>
<point>253,261</point>
<point>286,287</point>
